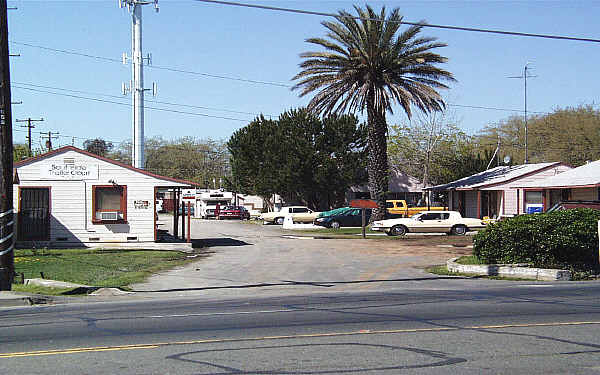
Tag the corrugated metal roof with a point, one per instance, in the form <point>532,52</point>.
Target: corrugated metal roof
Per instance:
<point>493,176</point>
<point>586,175</point>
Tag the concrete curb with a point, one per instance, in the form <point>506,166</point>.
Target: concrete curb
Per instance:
<point>55,284</point>
<point>507,270</point>
<point>11,299</point>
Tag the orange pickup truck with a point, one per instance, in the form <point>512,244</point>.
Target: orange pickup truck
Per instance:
<point>399,208</point>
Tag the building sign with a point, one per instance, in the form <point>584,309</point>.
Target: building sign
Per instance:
<point>141,205</point>
<point>62,171</point>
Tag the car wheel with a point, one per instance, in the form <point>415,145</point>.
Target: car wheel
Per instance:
<point>335,225</point>
<point>459,230</point>
<point>398,230</point>
<point>279,221</point>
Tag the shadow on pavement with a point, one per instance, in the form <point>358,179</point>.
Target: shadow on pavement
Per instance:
<point>218,242</point>
<point>323,284</point>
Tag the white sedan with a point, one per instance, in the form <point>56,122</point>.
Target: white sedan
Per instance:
<point>429,222</point>
<point>299,214</point>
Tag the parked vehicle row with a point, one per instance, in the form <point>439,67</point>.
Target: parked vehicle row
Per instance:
<point>438,221</point>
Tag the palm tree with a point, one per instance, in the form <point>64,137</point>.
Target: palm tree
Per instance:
<point>368,64</point>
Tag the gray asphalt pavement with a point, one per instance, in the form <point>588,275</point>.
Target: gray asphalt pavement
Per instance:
<point>262,260</point>
<point>518,329</point>
<point>265,304</point>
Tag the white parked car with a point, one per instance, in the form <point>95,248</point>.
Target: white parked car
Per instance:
<point>299,214</point>
<point>450,222</point>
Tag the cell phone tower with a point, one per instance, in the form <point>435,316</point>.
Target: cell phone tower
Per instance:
<point>136,85</point>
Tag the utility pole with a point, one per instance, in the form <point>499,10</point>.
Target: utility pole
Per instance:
<point>49,138</point>
<point>7,264</point>
<point>136,86</point>
<point>525,76</point>
<point>29,126</point>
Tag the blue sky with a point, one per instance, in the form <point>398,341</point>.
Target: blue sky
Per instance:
<point>264,45</point>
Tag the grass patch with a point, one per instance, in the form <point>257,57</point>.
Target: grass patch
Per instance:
<point>443,271</point>
<point>470,259</point>
<point>36,289</point>
<point>334,231</point>
<point>96,267</point>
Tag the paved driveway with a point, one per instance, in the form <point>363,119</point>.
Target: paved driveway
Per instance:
<point>254,259</point>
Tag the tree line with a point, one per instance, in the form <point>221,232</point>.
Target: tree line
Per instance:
<point>314,161</point>
<point>306,159</point>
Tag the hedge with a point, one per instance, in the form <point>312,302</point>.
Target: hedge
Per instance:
<point>566,238</point>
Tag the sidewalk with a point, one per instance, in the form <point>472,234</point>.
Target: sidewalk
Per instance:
<point>12,299</point>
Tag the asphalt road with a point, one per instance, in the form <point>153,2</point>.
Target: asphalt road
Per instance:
<point>514,329</point>
<point>265,304</point>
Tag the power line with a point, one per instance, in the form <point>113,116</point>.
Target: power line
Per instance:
<point>67,52</point>
<point>171,146</point>
<point>229,110</point>
<point>129,104</point>
<point>212,76</point>
<point>29,126</point>
<point>151,101</point>
<point>496,108</point>
<point>458,28</point>
<point>177,70</point>
<point>220,76</point>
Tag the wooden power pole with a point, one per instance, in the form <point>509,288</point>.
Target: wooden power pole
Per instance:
<point>29,126</point>
<point>7,264</point>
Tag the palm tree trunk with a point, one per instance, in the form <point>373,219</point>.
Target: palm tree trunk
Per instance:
<point>425,181</point>
<point>377,164</point>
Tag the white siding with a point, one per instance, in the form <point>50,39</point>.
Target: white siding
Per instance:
<point>71,201</point>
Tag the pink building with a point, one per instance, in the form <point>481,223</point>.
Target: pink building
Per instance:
<point>581,183</point>
<point>498,191</point>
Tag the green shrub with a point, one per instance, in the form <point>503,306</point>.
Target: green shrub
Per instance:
<point>566,238</point>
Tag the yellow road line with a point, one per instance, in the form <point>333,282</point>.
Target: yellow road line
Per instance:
<point>77,350</point>
<point>285,337</point>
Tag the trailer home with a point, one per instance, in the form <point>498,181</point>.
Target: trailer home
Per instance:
<point>208,200</point>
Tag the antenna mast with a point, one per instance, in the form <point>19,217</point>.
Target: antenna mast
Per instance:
<point>525,76</point>
<point>136,86</point>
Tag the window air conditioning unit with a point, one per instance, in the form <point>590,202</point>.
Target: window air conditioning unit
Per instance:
<point>108,216</point>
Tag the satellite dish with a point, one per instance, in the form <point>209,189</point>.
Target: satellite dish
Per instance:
<point>506,159</point>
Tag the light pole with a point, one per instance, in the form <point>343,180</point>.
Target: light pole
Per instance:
<point>525,76</point>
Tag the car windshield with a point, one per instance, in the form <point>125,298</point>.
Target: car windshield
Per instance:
<point>416,216</point>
